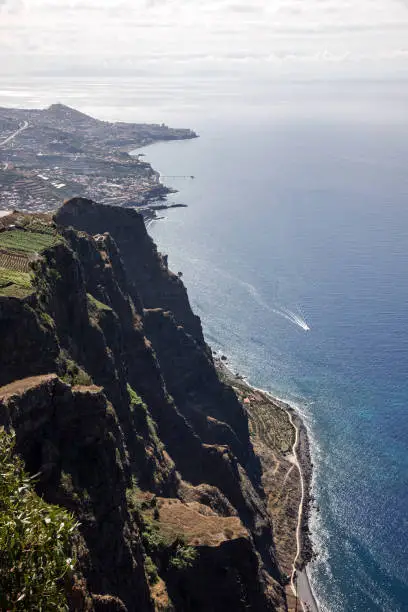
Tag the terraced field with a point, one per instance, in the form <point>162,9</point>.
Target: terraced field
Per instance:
<point>14,261</point>
<point>23,238</point>
<point>14,284</point>
<point>271,425</point>
<point>29,242</point>
<point>39,225</point>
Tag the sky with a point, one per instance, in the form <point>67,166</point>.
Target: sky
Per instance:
<point>296,37</point>
<point>204,45</point>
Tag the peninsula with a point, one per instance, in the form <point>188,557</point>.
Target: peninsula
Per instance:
<point>53,154</point>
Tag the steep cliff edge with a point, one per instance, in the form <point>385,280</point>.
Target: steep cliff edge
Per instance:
<point>149,276</point>
<point>115,402</point>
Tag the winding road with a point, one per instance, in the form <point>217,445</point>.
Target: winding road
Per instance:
<point>16,133</point>
<point>300,510</point>
<point>306,596</point>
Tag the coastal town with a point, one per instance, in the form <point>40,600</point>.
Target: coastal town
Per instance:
<point>50,155</point>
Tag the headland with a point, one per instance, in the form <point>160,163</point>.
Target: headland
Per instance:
<point>53,154</point>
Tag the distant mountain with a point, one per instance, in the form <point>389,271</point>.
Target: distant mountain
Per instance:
<point>67,115</point>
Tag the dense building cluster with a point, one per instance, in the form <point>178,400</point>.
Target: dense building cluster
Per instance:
<point>47,156</point>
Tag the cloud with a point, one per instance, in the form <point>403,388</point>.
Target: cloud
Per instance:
<point>246,8</point>
<point>6,6</point>
<point>41,35</point>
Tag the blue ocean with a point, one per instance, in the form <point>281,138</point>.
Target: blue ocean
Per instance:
<point>294,250</point>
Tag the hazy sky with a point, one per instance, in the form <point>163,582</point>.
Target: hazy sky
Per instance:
<point>296,37</point>
<point>173,57</point>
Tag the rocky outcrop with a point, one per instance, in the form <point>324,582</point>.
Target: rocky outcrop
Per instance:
<point>211,407</point>
<point>131,428</point>
<point>28,343</point>
<point>226,569</point>
<point>72,439</point>
<point>151,281</point>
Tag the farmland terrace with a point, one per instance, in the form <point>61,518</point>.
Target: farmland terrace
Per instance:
<point>22,239</point>
<point>49,155</point>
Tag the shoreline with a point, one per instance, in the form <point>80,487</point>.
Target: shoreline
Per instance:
<point>299,589</point>
<point>300,582</point>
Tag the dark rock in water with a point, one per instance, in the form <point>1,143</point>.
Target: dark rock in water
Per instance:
<point>113,395</point>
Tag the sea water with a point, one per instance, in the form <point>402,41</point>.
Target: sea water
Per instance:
<point>294,252</point>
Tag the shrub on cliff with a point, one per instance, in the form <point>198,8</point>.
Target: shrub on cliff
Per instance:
<point>183,557</point>
<point>35,540</point>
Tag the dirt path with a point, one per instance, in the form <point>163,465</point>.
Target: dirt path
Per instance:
<point>288,473</point>
<point>302,590</point>
<point>280,441</point>
<point>300,509</point>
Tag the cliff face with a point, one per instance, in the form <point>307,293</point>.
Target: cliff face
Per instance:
<point>115,401</point>
<point>150,280</point>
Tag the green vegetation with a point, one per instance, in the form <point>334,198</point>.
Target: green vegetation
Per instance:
<point>183,557</point>
<point>16,278</point>
<point>67,485</point>
<point>135,400</point>
<point>151,570</point>
<point>165,549</point>
<point>74,375</point>
<point>143,420</point>
<point>47,320</point>
<point>140,503</point>
<point>153,432</point>
<point>158,544</point>
<point>26,241</point>
<point>35,541</point>
<point>134,497</point>
<point>54,275</point>
<point>34,224</point>
<point>97,304</point>
<point>153,539</point>
<point>15,284</point>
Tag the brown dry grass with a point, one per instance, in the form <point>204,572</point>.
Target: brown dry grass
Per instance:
<point>21,386</point>
<point>199,525</point>
<point>160,596</point>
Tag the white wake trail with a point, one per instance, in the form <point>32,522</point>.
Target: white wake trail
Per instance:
<point>293,317</point>
<point>289,315</point>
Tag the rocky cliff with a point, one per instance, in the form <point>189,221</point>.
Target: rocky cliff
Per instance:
<point>115,403</point>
